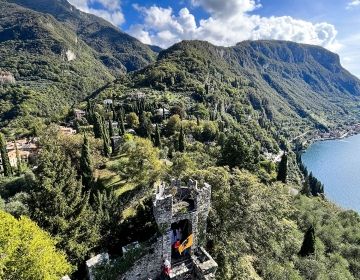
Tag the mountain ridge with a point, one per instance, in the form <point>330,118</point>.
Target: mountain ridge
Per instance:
<point>117,50</point>
<point>294,80</point>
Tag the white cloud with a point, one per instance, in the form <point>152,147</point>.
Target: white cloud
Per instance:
<point>229,22</point>
<point>350,53</point>
<point>353,4</point>
<point>111,9</point>
<point>226,8</point>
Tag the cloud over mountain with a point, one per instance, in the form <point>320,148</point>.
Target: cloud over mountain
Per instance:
<point>229,22</point>
<point>107,9</point>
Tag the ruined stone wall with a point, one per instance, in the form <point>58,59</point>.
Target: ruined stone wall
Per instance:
<point>203,204</point>
<point>149,266</point>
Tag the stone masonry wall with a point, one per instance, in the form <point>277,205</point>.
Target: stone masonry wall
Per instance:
<point>149,266</point>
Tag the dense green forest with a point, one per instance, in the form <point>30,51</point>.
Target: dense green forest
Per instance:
<point>197,112</point>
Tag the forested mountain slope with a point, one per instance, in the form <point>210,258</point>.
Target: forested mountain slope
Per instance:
<point>52,67</point>
<point>225,116</point>
<point>117,50</point>
<point>282,80</point>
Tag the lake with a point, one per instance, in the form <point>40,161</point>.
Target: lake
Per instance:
<point>336,163</point>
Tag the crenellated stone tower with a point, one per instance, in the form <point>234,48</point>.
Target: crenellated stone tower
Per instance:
<point>175,203</point>
<point>178,206</point>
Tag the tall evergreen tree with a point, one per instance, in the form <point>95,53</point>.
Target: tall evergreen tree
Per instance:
<point>145,127</point>
<point>18,160</point>
<point>121,124</point>
<point>108,210</point>
<point>111,129</point>
<point>308,246</point>
<point>4,157</point>
<point>59,205</point>
<point>98,125</point>
<point>181,140</point>
<point>90,112</point>
<point>106,140</point>
<point>86,165</point>
<point>157,140</point>
<point>282,171</point>
<point>306,190</point>
<point>316,187</point>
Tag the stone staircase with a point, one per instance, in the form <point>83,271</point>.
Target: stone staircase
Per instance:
<point>182,270</point>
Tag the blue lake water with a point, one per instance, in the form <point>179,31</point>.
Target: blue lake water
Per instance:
<point>336,163</point>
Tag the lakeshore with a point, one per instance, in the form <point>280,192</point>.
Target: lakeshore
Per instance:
<point>335,164</point>
<point>309,137</point>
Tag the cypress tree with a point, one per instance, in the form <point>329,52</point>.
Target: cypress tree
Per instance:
<point>308,246</point>
<point>4,157</point>
<point>121,125</point>
<point>306,190</point>
<point>145,127</point>
<point>111,129</point>
<point>97,125</point>
<point>18,160</point>
<point>108,209</point>
<point>106,140</point>
<point>282,172</point>
<point>157,140</point>
<point>89,112</point>
<point>86,164</point>
<point>181,140</point>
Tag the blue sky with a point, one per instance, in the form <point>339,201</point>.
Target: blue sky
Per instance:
<point>333,24</point>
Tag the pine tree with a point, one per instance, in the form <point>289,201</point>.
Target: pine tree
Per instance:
<point>308,246</point>
<point>181,140</point>
<point>4,157</point>
<point>97,125</point>
<point>59,205</point>
<point>157,140</point>
<point>282,172</point>
<point>108,210</point>
<point>111,129</point>
<point>86,165</point>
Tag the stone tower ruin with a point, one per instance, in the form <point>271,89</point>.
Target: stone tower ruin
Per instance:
<point>180,210</point>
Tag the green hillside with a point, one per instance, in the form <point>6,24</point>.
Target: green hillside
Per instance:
<point>222,115</point>
<point>53,69</point>
<point>293,85</point>
<point>117,50</point>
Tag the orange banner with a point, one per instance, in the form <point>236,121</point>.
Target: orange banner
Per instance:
<point>186,244</point>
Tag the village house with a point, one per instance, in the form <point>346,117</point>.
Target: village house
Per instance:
<point>79,114</point>
<point>6,78</point>
<point>67,130</point>
<point>23,156</point>
<point>22,145</point>
<point>26,151</point>
<point>108,102</point>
